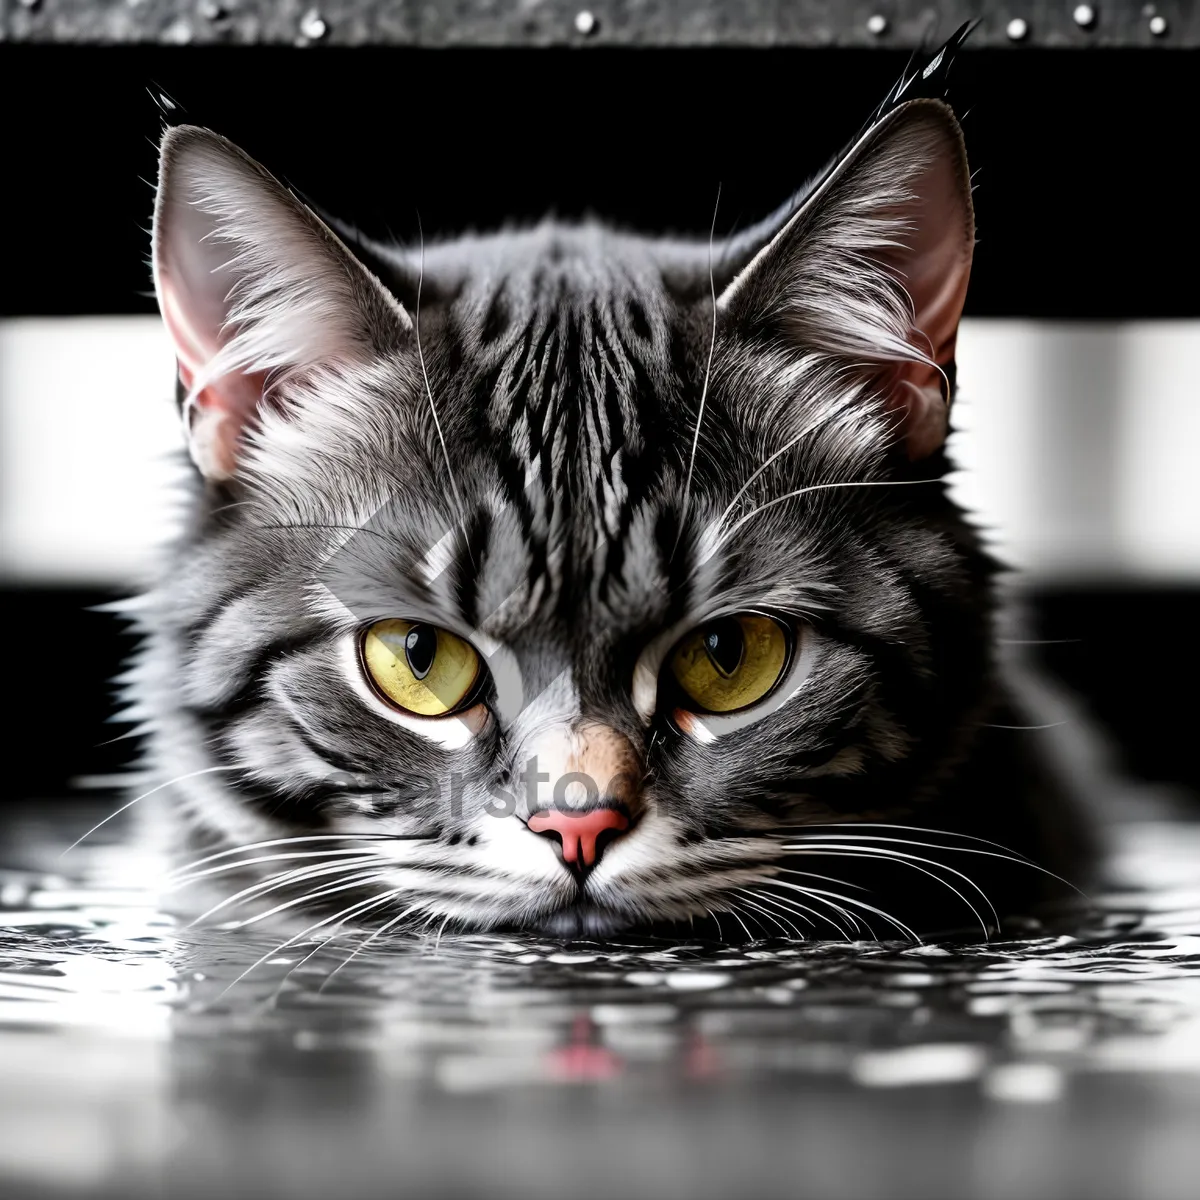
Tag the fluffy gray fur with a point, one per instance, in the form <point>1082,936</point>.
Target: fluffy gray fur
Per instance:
<point>502,436</point>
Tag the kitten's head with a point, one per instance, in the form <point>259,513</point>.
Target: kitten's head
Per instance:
<point>570,565</point>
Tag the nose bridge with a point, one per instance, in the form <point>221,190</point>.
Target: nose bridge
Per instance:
<point>607,757</point>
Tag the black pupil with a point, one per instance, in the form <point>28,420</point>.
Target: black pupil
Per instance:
<point>725,644</point>
<point>420,647</point>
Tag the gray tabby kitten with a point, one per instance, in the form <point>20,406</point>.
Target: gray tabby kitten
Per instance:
<point>577,580</point>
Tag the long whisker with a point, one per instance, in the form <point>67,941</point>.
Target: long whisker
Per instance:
<point>363,945</point>
<point>437,941</point>
<point>949,833</point>
<point>911,860</point>
<point>712,345</point>
<point>1047,725</point>
<point>802,912</point>
<point>386,898</point>
<point>304,525</point>
<point>308,837</point>
<point>343,914</point>
<point>1019,860</point>
<point>718,542</point>
<point>788,930</point>
<point>301,875</point>
<point>879,912</point>
<point>239,864</point>
<point>717,922</point>
<point>462,512</point>
<point>143,796</point>
<point>821,896</point>
<point>820,916</point>
<point>319,894</point>
<point>778,453</point>
<point>858,887</point>
<point>733,912</point>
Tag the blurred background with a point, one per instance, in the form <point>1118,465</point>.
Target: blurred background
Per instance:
<point>1079,366</point>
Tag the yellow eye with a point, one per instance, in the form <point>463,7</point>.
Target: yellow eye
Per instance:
<point>420,668</point>
<point>731,663</point>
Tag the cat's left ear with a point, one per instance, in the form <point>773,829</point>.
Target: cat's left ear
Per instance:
<point>872,269</point>
<point>253,288</point>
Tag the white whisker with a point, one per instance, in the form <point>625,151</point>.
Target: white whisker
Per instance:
<point>800,911</point>
<point>814,913</point>
<point>718,542</point>
<point>733,912</point>
<point>712,345</point>
<point>363,945</point>
<point>343,914</point>
<point>966,837</point>
<point>284,879</point>
<point>319,894</point>
<point>812,428</point>
<point>241,863</point>
<point>159,788</point>
<point>871,908</point>
<point>788,931</point>
<point>1008,856</point>
<point>462,512</point>
<point>912,860</point>
<point>287,841</point>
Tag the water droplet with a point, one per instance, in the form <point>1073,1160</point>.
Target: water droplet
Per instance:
<point>644,978</point>
<point>32,5</point>
<point>1158,26</point>
<point>213,11</point>
<point>313,26</point>
<point>696,981</point>
<point>1024,1083</point>
<point>1017,29</point>
<point>586,23</point>
<point>877,24</point>
<point>1084,16</point>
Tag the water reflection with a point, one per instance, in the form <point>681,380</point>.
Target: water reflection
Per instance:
<point>139,1057</point>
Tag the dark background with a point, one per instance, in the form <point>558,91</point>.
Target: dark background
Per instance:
<point>1084,160</point>
<point>1086,204</point>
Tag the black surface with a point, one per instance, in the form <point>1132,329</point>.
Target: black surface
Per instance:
<point>1130,654</point>
<point>1083,170</point>
<point>607,22</point>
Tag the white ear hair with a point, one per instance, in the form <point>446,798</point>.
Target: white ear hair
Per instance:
<point>253,287</point>
<point>873,268</point>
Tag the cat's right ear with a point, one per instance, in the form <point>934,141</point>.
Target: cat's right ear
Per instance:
<point>253,288</point>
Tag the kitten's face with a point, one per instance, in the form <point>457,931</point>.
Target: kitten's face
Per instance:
<point>573,583</point>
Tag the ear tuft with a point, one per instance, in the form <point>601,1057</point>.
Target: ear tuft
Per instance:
<point>873,268</point>
<point>253,288</point>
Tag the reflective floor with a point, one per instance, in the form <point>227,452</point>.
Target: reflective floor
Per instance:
<point>139,1057</point>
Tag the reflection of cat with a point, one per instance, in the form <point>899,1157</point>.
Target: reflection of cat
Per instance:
<point>576,579</point>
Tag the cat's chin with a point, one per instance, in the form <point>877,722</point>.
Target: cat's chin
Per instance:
<point>583,921</point>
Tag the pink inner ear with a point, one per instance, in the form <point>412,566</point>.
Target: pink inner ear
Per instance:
<point>219,413</point>
<point>934,269</point>
<point>190,349</point>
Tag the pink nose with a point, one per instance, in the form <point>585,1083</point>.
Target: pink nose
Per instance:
<point>579,831</point>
